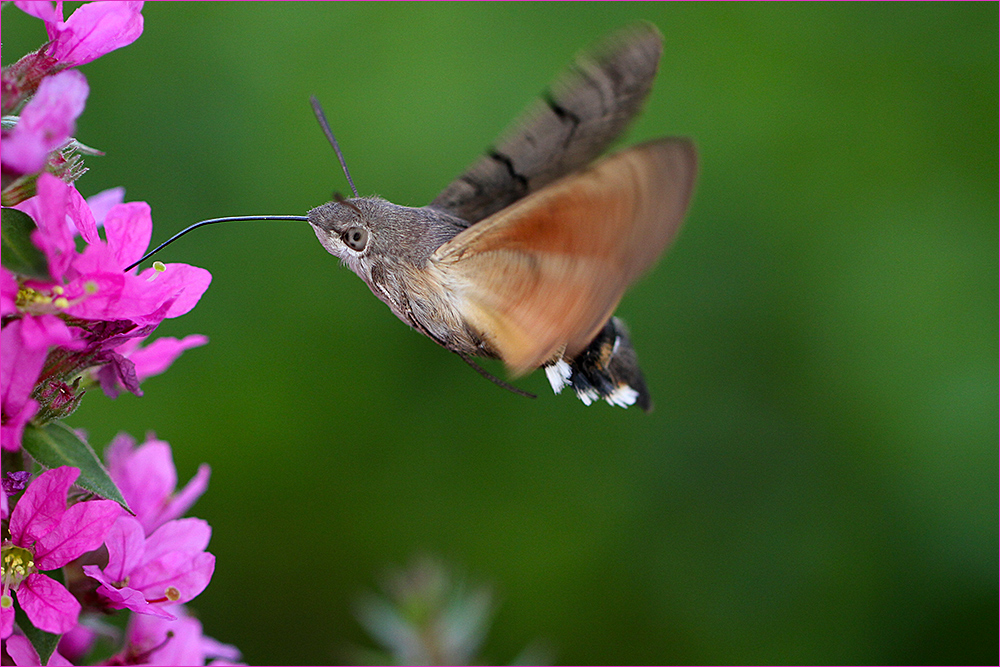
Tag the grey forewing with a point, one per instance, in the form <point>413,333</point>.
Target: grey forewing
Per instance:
<point>587,108</point>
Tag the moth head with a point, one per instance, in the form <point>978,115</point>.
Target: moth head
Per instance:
<point>374,237</point>
<point>345,228</point>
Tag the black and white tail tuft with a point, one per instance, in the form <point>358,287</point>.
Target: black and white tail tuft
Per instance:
<point>607,369</point>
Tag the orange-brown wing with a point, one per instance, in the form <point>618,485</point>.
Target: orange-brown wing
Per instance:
<point>540,278</point>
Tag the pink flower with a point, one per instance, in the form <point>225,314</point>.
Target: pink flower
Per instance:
<point>156,641</point>
<point>147,478</point>
<point>46,122</point>
<point>76,644</point>
<point>91,285</point>
<point>91,31</point>
<point>46,535</point>
<point>146,574</point>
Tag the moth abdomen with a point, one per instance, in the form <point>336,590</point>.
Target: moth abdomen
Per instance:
<point>607,369</point>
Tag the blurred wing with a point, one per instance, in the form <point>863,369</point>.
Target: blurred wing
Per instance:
<point>541,277</point>
<point>588,107</point>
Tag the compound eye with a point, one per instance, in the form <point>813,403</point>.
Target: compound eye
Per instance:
<point>356,238</point>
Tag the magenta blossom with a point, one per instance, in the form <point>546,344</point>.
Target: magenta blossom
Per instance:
<point>90,285</point>
<point>146,574</point>
<point>147,478</point>
<point>92,30</point>
<point>46,122</point>
<point>106,308</point>
<point>46,535</point>
<point>156,641</point>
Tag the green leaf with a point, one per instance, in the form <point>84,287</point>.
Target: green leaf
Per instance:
<point>20,255</point>
<point>56,444</point>
<point>44,642</point>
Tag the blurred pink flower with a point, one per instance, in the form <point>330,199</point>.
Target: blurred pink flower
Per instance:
<point>146,574</point>
<point>76,644</point>
<point>147,478</point>
<point>46,535</point>
<point>46,123</point>
<point>157,641</point>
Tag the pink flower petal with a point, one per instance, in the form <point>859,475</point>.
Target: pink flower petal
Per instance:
<point>182,502</point>
<point>128,228</point>
<point>12,429</point>
<point>41,9</point>
<point>188,646</point>
<point>8,292</point>
<point>79,641</point>
<point>126,544</point>
<point>18,647</point>
<point>54,236</point>
<point>104,201</point>
<point>81,528</point>
<point>95,29</point>
<point>23,653</point>
<point>48,604</point>
<point>146,479</point>
<point>181,282</point>
<point>124,597</point>
<point>42,505</point>
<point>46,122</point>
<point>156,357</point>
<point>189,534</point>
<point>188,573</point>
<point>6,621</point>
<point>81,217</point>
<point>20,364</point>
<point>44,331</point>
<point>117,455</point>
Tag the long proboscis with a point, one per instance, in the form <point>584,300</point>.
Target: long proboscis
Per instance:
<point>238,218</point>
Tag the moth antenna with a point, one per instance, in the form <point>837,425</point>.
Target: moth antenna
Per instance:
<point>495,380</point>
<point>339,198</point>
<point>321,117</point>
<point>239,218</point>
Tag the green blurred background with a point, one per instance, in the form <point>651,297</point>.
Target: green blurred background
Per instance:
<point>818,483</point>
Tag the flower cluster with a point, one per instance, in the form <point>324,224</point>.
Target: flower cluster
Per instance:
<point>86,539</point>
<point>150,562</point>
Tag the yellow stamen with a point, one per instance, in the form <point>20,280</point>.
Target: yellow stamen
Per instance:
<point>17,563</point>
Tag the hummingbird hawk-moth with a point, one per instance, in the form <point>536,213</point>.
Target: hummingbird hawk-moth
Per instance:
<point>525,256</point>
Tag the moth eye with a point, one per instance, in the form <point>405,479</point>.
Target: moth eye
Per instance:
<point>356,238</point>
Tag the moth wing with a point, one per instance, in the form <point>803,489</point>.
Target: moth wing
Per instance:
<point>586,109</point>
<point>542,277</point>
